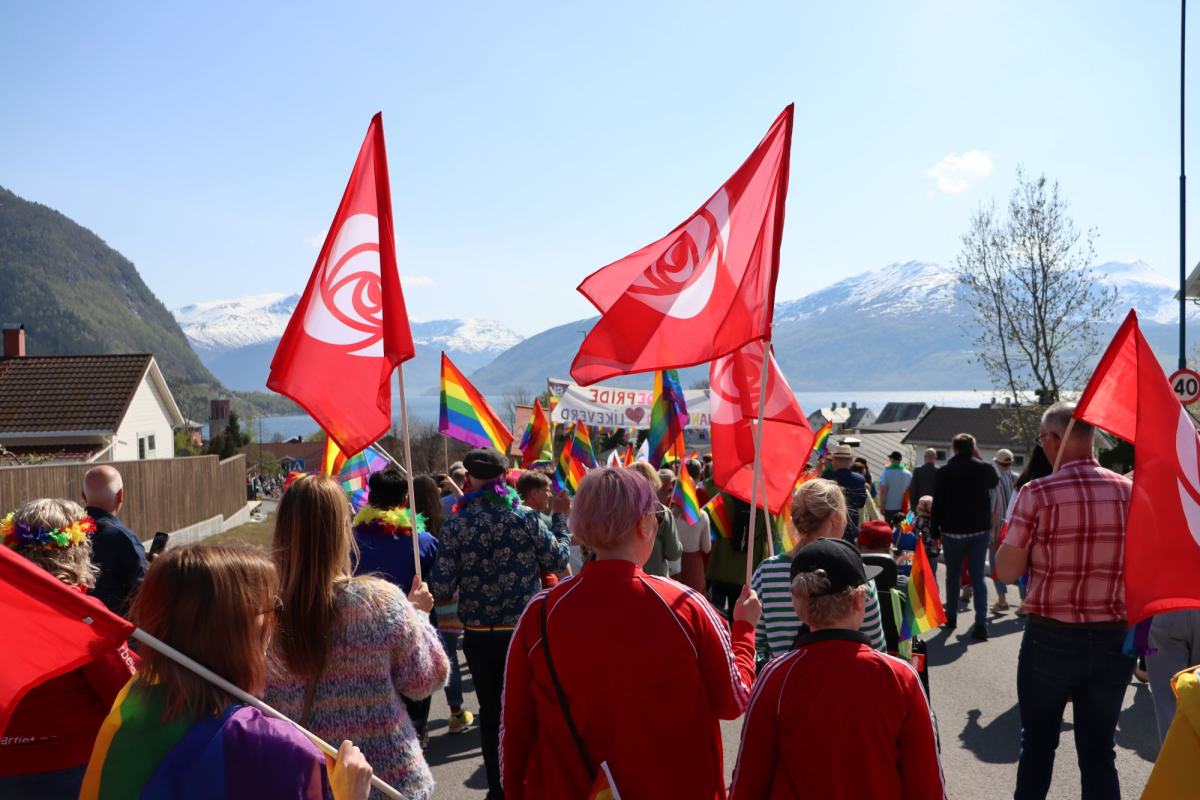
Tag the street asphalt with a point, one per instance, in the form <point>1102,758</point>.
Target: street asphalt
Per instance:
<point>974,691</point>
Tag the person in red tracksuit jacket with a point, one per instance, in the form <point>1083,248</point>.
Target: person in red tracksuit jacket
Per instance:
<point>646,665</point>
<point>835,719</point>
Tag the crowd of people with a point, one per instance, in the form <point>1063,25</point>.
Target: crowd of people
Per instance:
<point>606,634</point>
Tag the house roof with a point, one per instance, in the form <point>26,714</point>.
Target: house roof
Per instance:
<point>858,417</point>
<point>53,394</point>
<point>875,447</point>
<point>308,452</point>
<point>901,412</point>
<point>50,453</point>
<point>987,425</point>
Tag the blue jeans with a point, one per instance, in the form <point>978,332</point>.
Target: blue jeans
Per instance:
<point>974,548</point>
<point>1087,667</point>
<point>454,697</point>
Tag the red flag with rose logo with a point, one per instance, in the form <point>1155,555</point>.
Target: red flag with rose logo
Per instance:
<point>350,329</point>
<point>1129,396</point>
<point>704,289</point>
<point>735,382</point>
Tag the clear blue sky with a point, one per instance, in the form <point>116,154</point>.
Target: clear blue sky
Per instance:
<point>533,143</point>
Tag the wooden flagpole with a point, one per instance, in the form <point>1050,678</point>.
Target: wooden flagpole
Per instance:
<point>412,492</point>
<point>1062,444</point>
<point>249,699</point>
<point>762,407</point>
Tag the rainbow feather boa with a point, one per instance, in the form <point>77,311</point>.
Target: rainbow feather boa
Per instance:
<point>387,521</point>
<point>18,534</point>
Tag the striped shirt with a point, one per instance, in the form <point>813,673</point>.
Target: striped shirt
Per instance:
<point>779,626</point>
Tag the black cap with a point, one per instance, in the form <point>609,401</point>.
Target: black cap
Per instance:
<point>485,463</point>
<point>895,455</point>
<point>839,559</point>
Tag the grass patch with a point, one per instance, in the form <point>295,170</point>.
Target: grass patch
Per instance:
<point>255,533</point>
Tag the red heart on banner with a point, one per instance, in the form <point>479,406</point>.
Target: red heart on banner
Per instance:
<point>635,414</point>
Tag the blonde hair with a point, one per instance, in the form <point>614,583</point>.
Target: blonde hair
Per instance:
<point>821,610</point>
<point>813,503</point>
<point>648,472</point>
<point>71,565</point>
<point>314,552</point>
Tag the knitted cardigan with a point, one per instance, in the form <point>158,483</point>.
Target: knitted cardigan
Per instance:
<point>380,649</point>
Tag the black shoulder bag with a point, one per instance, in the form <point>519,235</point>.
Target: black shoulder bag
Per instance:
<point>562,697</point>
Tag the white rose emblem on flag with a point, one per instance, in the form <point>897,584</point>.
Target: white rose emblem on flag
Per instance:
<point>680,283</point>
<point>1189,463</point>
<point>348,307</point>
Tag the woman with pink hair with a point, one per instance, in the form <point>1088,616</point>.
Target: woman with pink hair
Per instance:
<point>613,648</point>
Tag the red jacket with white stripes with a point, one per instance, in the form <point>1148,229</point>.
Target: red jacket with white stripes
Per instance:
<point>836,719</point>
<point>648,668</point>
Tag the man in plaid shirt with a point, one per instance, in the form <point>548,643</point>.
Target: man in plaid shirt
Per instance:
<point>1068,531</point>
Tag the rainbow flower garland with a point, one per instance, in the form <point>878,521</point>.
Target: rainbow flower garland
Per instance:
<point>498,493</point>
<point>18,534</point>
<point>387,521</point>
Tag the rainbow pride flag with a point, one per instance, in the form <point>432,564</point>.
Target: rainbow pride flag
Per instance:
<point>627,457</point>
<point>466,416</point>
<point>685,496</point>
<point>924,611</point>
<point>821,439</point>
<point>575,459</point>
<point>906,524</point>
<point>604,787</point>
<point>137,755</point>
<point>668,417</point>
<point>357,471</point>
<point>537,444</point>
<point>333,458</point>
<point>720,515</point>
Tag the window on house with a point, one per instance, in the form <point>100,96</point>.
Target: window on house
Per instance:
<point>1019,461</point>
<point>141,448</point>
<point>150,443</point>
<point>941,455</point>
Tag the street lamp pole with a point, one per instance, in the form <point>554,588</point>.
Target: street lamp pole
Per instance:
<point>1182,197</point>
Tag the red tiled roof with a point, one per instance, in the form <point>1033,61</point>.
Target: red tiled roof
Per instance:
<point>68,393</point>
<point>44,453</point>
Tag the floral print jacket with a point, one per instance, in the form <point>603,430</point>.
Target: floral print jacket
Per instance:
<point>493,556</point>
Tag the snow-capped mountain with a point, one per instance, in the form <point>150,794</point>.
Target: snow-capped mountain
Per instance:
<point>237,338</point>
<point>903,326</point>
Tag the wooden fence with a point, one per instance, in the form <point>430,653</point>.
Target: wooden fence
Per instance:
<point>160,495</point>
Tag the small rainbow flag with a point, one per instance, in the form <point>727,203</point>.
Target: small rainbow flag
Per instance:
<point>604,787</point>
<point>627,458</point>
<point>720,515</point>
<point>333,458</point>
<point>668,417</point>
<point>575,459</point>
<point>685,496</point>
<point>466,416</point>
<point>906,524</point>
<point>357,471</point>
<point>537,444</point>
<point>821,439</point>
<point>924,611</point>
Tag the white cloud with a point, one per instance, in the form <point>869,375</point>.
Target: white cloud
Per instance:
<point>316,240</point>
<point>416,281</point>
<point>956,173</point>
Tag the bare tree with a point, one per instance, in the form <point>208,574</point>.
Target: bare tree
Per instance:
<point>1038,304</point>
<point>516,396</point>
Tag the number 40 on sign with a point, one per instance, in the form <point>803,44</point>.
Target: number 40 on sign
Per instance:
<point>1186,383</point>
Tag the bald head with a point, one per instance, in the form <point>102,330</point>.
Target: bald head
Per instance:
<point>102,488</point>
<point>930,456</point>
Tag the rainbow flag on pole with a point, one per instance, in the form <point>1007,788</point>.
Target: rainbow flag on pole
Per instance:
<point>333,458</point>
<point>357,471</point>
<point>685,496</point>
<point>604,787</point>
<point>924,611</point>
<point>668,418</point>
<point>720,515</point>
<point>575,459</point>
<point>466,416</point>
<point>536,445</point>
<point>821,439</point>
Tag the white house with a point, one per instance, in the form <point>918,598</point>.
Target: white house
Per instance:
<point>83,408</point>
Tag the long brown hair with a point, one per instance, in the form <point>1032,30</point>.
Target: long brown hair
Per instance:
<point>312,549</point>
<point>204,600</point>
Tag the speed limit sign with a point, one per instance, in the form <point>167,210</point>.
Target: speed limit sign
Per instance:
<point>1186,383</point>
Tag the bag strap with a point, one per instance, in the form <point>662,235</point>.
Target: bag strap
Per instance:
<point>562,696</point>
